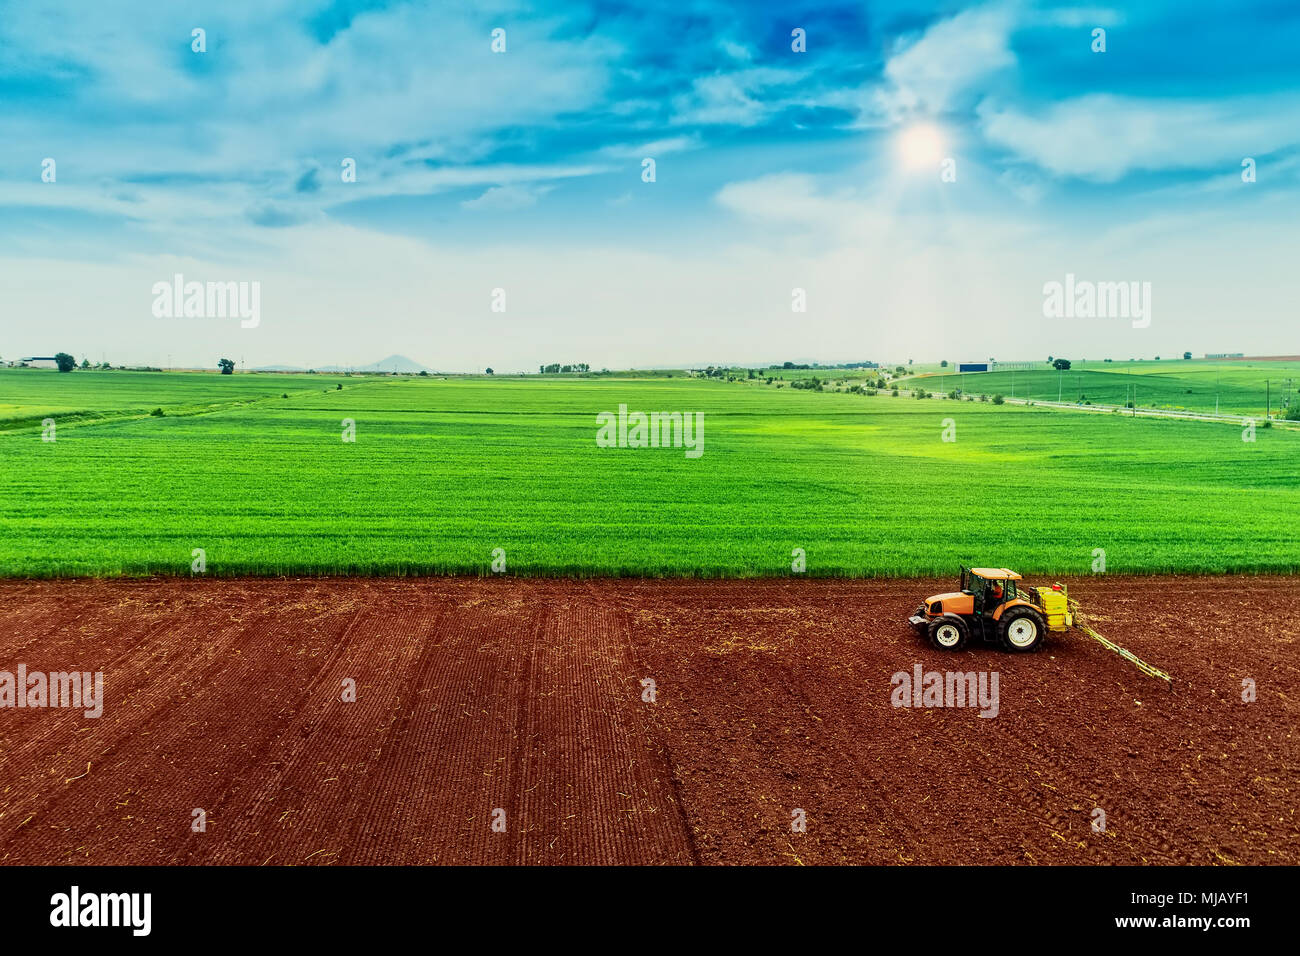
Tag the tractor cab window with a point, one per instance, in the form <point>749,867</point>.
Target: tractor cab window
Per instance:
<point>996,592</point>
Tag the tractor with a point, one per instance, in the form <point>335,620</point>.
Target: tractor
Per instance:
<point>995,607</point>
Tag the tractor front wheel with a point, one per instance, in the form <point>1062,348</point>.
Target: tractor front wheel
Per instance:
<point>1022,629</point>
<point>948,633</point>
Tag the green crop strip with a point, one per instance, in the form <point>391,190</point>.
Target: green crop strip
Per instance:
<point>443,472</point>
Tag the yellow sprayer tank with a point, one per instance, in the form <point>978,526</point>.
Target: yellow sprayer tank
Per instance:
<point>1055,604</point>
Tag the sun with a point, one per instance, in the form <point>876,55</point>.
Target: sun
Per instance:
<point>921,146</point>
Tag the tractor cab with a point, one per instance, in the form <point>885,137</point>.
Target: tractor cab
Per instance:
<point>989,588</point>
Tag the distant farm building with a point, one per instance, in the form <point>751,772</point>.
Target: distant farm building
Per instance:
<point>1013,366</point>
<point>40,361</point>
<point>1225,355</point>
<point>972,366</point>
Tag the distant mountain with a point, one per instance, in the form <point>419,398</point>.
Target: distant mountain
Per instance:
<point>394,363</point>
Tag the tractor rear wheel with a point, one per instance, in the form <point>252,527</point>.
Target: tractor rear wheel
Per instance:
<point>1022,629</point>
<point>948,633</point>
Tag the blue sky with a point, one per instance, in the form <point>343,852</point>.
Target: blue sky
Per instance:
<point>522,170</point>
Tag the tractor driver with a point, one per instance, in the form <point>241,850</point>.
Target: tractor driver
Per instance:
<point>995,592</point>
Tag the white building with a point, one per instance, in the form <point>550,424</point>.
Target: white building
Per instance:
<point>40,361</point>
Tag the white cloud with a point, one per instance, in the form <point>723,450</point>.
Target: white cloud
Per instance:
<point>394,76</point>
<point>507,197</point>
<point>1102,137</point>
<point>782,199</point>
<point>1025,185</point>
<point>658,147</point>
<point>1078,17</point>
<point>797,209</point>
<point>929,73</point>
<point>737,51</point>
<point>741,98</point>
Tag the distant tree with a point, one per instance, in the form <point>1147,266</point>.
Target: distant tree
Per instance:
<point>1050,360</point>
<point>1187,355</point>
<point>943,364</point>
<point>489,371</point>
<point>1062,365</point>
<point>85,363</point>
<point>998,399</point>
<point>65,362</point>
<point>227,366</point>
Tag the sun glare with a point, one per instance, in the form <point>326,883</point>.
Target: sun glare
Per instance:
<point>921,146</point>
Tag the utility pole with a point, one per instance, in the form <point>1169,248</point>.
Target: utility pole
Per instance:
<point>1268,399</point>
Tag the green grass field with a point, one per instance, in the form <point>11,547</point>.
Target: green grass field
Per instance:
<point>1242,388</point>
<point>444,471</point>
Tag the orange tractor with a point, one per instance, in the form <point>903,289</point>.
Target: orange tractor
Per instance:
<point>995,607</point>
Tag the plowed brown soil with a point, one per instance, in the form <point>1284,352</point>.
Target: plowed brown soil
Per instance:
<point>526,696</point>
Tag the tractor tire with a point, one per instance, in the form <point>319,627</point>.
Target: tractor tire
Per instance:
<point>948,633</point>
<point>1021,630</point>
